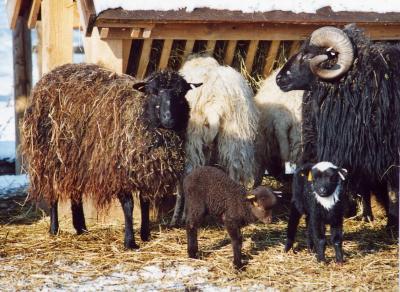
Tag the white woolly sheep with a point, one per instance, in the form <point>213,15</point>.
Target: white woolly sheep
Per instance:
<point>223,120</point>
<point>279,132</point>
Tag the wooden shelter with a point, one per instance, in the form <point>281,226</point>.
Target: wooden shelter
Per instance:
<point>139,42</point>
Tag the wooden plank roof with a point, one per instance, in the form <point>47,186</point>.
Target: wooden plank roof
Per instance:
<point>210,24</point>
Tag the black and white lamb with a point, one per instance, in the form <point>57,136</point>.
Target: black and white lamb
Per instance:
<point>318,193</point>
<point>209,190</point>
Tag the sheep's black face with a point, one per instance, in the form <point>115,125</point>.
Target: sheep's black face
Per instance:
<point>166,106</point>
<point>296,73</point>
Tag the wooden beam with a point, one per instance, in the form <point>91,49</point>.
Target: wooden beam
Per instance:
<point>211,46</point>
<point>146,33</point>
<point>135,32</point>
<point>57,22</point>
<point>33,13</point>
<point>22,57</point>
<point>111,54</point>
<point>87,14</point>
<point>243,31</point>
<point>230,52</point>
<point>271,56</point>
<point>13,8</point>
<point>144,58</point>
<point>294,48</point>
<point>251,53</point>
<point>166,51</point>
<point>104,32</point>
<point>188,49</point>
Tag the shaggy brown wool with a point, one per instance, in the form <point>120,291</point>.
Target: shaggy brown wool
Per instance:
<point>83,134</point>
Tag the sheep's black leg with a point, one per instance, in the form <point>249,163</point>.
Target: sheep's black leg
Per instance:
<point>193,246</point>
<point>294,219</point>
<point>310,239</point>
<point>54,218</point>
<point>78,218</point>
<point>393,208</point>
<point>337,240</point>
<point>366,205</point>
<point>318,230</point>
<point>178,210</point>
<point>144,228</point>
<point>127,206</point>
<point>236,237</point>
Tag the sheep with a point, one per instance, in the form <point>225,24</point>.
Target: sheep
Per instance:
<point>209,190</point>
<point>223,121</point>
<point>318,192</point>
<point>90,132</point>
<point>350,108</point>
<point>279,134</point>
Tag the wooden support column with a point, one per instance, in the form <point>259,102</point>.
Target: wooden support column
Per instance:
<point>110,54</point>
<point>22,56</point>
<point>251,53</point>
<point>188,49</point>
<point>57,23</point>
<point>166,51</point>
<point>271,56</point>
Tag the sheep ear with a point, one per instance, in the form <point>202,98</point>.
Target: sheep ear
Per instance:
<point>195,85</point>
<point>140,86</point>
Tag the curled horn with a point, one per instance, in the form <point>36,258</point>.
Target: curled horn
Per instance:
<point>335,38</point>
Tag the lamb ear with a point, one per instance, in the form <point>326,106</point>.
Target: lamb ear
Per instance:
<point>250,197</point>
<point>343,173</point>
<point>140,86</point>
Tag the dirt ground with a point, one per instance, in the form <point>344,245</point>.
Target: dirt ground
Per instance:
<point>31,259</point>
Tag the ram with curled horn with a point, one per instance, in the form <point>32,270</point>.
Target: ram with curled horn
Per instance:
<point>350,108</point>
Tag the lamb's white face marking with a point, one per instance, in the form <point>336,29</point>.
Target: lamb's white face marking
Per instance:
<point>324,165</point>
<point>329,202</point>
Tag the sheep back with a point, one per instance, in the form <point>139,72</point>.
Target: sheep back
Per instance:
<point>84,133</point>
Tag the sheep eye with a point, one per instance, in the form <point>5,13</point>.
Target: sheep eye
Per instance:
<point>157,106</point>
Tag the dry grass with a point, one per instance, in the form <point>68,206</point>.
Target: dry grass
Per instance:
<point>29,256</point>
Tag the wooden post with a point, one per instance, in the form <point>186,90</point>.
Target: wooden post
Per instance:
<point>22,56</point>
<point>110,54</point>
<point>271,56</point>
<point>57,24</point>
<point>230,52</point>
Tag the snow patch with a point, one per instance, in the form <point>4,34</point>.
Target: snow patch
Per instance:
<point>251,6</point>
<point>12,182</point>
<point>7,150</point>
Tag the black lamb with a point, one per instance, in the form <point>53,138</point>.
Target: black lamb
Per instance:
<point>318,193</point>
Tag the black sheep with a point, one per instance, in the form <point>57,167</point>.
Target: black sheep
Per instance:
<point>209,190</point>
<point>91,132</point>
<point>351,108</point>
<point>318,193</point>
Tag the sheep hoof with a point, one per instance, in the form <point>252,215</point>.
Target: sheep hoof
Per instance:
<point>288,245</point>
<point>238,266</point>
<point>145,236</point>
<point>131,245</point>
<point>82,231</point>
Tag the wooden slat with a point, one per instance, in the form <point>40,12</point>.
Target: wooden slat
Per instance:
<point>135,32</point>
<point>251,53</point>
<point>230,52</point>
<point>33,13</point>
<point>104,32</point>
<point>126,50</point>
<point>244,31</point>
<point>211,46</point>
<point>57,22</point>
<point>39,47</point>
<point>294,48</point>
<point>13,7</point>
<point>188,49</point>
<point>146,33</point>
<point>166,50</point>
<point>144,58</point>
<point>87,14</point>
<point>77,17</point>
<point>271,56</point>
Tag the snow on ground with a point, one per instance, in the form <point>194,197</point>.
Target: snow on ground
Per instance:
<point>154,277</point>
<point>12,184</point>
<point>249,6</point>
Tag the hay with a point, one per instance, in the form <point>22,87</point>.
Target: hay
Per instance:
<point>32,259</point>
<point>84,134</point>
